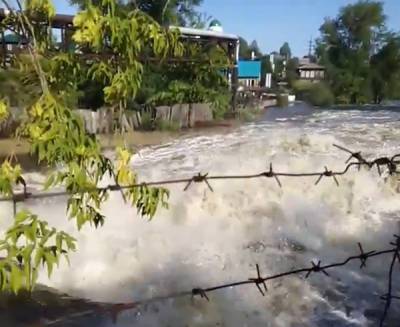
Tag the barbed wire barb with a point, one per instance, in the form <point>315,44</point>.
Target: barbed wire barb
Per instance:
<point>270,174</point>
<point>198,179</point>
<point>356,155</point>
<point>327,173</point>
<point>259,281</point>
<point>364,255</point>
<point>201,292</point>
<point>316,268</point>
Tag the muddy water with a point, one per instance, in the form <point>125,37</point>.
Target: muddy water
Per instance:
<point>208,238</point>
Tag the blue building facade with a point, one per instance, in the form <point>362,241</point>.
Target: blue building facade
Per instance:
<point>249,73</point>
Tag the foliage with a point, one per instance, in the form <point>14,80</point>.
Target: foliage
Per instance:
<point>200,81</point>
<point>182,92</point>
<point>166,125</point>
<point>266,68</point>
<point>146,121</point>
<point>90,94</point>
<point>317,94</point>
<point>57,135</point>
<point>291,70</point>
<point>245,49</point>
<point>254,48</point>
<point>357,52</point>
<point>285,51</point>
<point>175,12</point>
<point>249,113</point>
<point>4,113</point>
<point>28,244</point>
<point>385,66</point>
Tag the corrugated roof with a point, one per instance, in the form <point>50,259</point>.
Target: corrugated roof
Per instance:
<point>249,69</point>
<point>194,32</point>
<point>311,65</point>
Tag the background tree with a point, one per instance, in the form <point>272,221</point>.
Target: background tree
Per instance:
<point>355,48</point>
<point>385,71</point>
<point>244,50</point>
<point>266,68</point>
<point>255,48</point>
<point>285,51</point>
<point>168,12</point>
<point>291,70</point>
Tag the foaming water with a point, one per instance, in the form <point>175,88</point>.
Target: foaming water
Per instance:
<point>209,238</point>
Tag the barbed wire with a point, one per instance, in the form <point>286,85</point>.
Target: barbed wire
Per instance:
<point>390,163</point>
<point>260,282</point>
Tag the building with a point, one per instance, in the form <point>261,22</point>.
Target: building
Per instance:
<point>215,26</point>
<point>249,73</point>
<point>308,70</point>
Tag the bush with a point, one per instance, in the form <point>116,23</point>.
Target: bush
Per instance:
<point>219,104</point>
<point>320,95</point>
<point>245,115</point>
<point>317,94</point>
<point>146,121</point>
<point>166,125</point>
<point>249,114</point>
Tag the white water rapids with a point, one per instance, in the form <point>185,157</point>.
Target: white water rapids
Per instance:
<point>207,239</point>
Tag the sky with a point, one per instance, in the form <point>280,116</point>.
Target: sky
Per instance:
<point>272,22</point>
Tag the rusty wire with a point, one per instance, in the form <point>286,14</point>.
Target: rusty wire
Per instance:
<point>390,163</point>
<point>114,310</point>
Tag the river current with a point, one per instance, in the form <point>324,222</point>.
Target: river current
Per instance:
<point>209,238</point>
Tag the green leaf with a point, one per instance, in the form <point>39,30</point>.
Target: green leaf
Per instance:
<point>50,260</point>
<point>15,278</point>
<point>22,216</point>
<point>3,277</point>
<point>38,257</point>
<point>50,181</point>
<point>59,241</point>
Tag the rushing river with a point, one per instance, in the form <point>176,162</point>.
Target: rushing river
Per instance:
<point>210,238</point>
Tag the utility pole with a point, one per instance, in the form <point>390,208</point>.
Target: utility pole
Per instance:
<point>310,47</point>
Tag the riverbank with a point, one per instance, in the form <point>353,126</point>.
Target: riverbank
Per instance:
<point>136,140</point>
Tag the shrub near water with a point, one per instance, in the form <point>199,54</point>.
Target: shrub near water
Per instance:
<point>317,94</point>
<point>166,125</point>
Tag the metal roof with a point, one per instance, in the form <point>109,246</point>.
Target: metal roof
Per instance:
<point>311,66</point>
<point>249,69</point>
<point>198,33</point>
<point>62,21</point>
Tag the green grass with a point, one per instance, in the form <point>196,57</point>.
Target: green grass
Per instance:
<point>166,125</point>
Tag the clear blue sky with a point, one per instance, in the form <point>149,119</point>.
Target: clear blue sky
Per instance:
<point>272,22</point>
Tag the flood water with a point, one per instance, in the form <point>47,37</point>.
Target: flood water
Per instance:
<point>210,238</point>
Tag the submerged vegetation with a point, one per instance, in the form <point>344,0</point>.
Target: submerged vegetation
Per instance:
<point>318,94</point>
